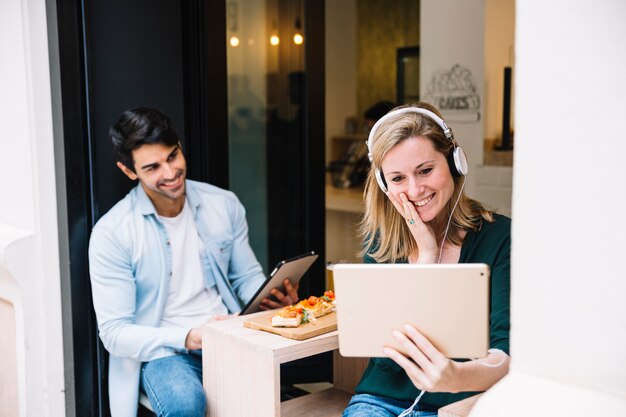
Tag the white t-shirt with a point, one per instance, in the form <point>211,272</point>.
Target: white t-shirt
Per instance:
<point>189,303</point>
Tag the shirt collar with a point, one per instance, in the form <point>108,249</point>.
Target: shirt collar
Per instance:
<point>145,205</point>
<point>192,197</point>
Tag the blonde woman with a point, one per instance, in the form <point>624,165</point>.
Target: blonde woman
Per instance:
<point>416,212</point>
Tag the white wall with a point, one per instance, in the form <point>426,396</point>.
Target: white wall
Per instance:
<point>29,251</point>
<point>568,334</point>
<point>451,32</point>
<point>15,120</point>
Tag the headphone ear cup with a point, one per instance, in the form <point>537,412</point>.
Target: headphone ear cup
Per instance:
<point>380,180</point>
<point>457,161</point>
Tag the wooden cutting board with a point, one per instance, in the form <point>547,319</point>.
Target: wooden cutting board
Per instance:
<point>322,325</point>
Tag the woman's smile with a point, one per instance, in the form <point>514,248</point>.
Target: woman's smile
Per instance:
<point>424,201</point>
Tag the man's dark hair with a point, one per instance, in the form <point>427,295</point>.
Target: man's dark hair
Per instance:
<point>137,127</point>
<point>378,110</point>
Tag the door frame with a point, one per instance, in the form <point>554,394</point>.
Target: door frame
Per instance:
<point>206,123</point>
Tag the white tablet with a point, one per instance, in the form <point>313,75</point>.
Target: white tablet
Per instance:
<point>448,303</point>
<point>293,269</point>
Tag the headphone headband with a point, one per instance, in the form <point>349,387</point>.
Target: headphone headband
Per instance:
<point>458,162</point>
<point>370,140</point>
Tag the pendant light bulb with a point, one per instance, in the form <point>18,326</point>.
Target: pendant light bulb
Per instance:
<point>298,39</point>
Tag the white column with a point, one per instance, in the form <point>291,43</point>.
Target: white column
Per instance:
<point>568,334</point>
<point>29,250</point>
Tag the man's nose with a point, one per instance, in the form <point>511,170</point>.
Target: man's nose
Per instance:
<point>168,171</point>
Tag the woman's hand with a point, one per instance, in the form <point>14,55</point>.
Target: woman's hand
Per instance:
<point>427,367</point>
<point>422,233</point>
<point>283,299</point>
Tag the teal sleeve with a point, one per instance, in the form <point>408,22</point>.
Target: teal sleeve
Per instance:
<point>500,322</point>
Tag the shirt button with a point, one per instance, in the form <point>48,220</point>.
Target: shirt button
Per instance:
<point>170,273</point>
<point>168,242</point>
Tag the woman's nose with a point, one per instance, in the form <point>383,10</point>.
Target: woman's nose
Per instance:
<point>414,189</point>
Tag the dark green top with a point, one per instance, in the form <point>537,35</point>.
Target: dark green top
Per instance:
<point>491,245</point>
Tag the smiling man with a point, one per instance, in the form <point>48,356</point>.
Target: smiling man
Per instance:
<point>170,256</point>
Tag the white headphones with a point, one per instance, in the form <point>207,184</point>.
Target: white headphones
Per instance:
<point>457,160</point>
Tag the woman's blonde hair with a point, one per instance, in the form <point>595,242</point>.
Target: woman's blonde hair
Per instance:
<point>383,230</point>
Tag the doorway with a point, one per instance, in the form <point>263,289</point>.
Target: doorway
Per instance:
<point>174,56</point>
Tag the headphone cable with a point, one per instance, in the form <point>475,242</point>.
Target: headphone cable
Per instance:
<point>445,235</point>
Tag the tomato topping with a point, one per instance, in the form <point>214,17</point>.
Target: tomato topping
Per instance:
<point>292,312</point>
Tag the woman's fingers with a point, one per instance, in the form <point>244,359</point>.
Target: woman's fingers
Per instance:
<point>425,346</point>
<point>441,368</point>
<point>414,352</point>
<point>410,211</point>
<point>398,205</point>
<point>421,232</point>
<point>427,367</point>
<point>406,209</point>
<point>403,207</point>
<point>417,375</point>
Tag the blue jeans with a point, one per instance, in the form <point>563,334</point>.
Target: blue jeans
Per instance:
<point>366,405</point>
<point>174,385</point>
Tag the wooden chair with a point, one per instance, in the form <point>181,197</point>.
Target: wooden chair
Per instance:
<point>145,408</point>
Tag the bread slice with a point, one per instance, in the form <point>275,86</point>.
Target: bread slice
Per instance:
<point>307,309</point>
<point>290,316</point>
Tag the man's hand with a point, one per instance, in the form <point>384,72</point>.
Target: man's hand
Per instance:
<point>283,299</point>
<point>194,337</point>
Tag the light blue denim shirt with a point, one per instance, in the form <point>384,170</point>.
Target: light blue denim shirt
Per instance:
<point>130,263</point>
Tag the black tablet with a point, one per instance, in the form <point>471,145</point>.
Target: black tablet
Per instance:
<point>293,269</point>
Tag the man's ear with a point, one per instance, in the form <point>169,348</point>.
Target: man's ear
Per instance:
<point>129,173</point>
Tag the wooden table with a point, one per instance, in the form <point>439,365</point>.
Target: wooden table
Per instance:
<point>241,370</point>
<point>241,374</point>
